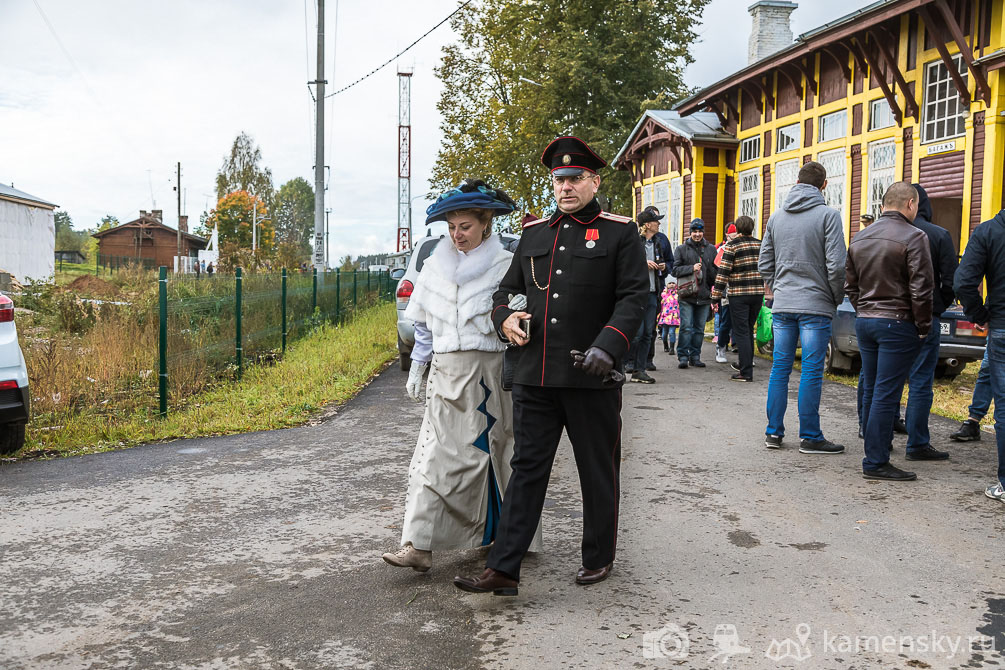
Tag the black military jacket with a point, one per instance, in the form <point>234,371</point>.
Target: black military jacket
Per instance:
<point>586,281</point>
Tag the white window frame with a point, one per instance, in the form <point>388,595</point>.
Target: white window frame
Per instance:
<point>750,149</point>
<point>837,178</point>
<point>832,126</point>
<point>941,96</point>
<point>661,199</point>
<point>881,174</point>
<point>748,187</point>
<point>880,114</point>
<point>675,211</point>
<point>792,132</point>
<point>783,186</point>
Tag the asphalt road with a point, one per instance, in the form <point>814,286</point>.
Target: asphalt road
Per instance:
<point>263,551</point>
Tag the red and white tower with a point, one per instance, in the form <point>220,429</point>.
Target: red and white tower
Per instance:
<point>404,161</point>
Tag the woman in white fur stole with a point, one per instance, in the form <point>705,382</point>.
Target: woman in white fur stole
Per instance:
<point>461,463</point>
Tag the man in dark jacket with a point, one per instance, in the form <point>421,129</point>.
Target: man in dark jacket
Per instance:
<point>889,280</point>
<point>584,275</point>
<point>656,268</point>
<point>984,260</point>
<point>922,375</point>
<point>695,255</point>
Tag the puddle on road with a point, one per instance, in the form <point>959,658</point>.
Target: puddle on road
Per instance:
<point>192,450</point>
<point>742,538</point>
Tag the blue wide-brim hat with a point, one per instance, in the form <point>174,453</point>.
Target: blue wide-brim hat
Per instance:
<point>481,198</point>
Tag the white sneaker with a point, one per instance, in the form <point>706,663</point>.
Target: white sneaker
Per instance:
<point>410,557</point>
<point>720,354</point>
<point>996,492</point>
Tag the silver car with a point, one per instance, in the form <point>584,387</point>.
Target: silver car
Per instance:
<point>422,251</point>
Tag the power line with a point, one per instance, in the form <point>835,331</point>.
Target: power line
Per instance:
<point>87,84</point>
<point>400,53</point>
<point>331,104</point>
<point>307,55</point>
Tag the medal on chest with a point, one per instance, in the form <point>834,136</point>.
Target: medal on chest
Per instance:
<point>592,235</point>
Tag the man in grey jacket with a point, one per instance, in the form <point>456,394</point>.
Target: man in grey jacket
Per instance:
<point>802,262</point>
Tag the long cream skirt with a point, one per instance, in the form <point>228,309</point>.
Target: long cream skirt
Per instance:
<point>461,463</point>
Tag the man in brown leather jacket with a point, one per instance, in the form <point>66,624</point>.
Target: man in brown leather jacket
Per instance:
<point>889,279</point>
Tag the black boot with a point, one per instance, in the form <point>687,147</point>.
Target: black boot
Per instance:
<point>970,431</point>
<point>673,349</point>
<point>666,347</point>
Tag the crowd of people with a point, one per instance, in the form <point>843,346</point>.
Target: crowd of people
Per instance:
<point>584,299</point>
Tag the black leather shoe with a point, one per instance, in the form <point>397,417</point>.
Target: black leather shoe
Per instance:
<point>890,473</point>
<point>740,378</point>
<point>697,363</point>
<point>899,426</point>
<point>682,365</point>
<point>586,577</point>
<point>490,580</point>
<point>927,453</point>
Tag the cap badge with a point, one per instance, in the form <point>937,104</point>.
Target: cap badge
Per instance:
<point>566,159</point>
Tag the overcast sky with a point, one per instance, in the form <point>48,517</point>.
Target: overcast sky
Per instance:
<point>95,113</point>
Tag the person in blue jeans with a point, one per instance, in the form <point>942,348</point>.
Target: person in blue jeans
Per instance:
<point>694,255</point>
<point>984,261</point>
<point>889,280</point>
<point>980,403</point>
<point>922,373</point>
<point>802,263</point>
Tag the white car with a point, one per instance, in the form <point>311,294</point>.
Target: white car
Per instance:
<point>406,284</point>
<point>14,398</point>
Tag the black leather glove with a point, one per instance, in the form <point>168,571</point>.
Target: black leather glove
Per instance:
<point>595,361</point>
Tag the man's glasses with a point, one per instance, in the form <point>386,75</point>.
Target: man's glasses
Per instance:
<point>574,179</point>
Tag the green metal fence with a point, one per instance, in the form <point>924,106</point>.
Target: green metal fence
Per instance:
<point>212,327</point>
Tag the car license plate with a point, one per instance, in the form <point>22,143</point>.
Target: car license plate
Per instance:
<point>944,328</point>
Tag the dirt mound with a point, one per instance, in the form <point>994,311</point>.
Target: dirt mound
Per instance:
<point>91,286</point>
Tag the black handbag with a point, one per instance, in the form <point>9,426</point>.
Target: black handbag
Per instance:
<point>690,287</point>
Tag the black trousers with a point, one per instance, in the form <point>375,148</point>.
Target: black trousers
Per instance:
<point>592,419</point>
<point>743,311</point>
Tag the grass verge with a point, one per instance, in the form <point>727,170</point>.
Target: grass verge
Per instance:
<point>327,367</point>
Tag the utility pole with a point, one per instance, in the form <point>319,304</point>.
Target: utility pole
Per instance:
<point>327,262</point>
<point>254,224</point>
<point>319,145</point>
<point>178,189</point>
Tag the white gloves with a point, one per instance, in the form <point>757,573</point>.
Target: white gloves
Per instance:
<point>414,384</point>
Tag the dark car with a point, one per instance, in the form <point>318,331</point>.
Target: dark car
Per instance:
<point>962,342</point>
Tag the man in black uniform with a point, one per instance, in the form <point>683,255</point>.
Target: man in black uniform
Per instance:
<point>584,274</point>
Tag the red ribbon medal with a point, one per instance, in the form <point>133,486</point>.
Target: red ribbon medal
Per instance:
<point>592,234</point>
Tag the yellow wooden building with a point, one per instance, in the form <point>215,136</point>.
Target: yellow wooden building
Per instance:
<point>899,90</point>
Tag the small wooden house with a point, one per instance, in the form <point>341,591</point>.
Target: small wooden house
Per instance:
<point>147,240</point>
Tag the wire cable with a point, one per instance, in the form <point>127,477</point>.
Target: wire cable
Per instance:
<point>400,53</point>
